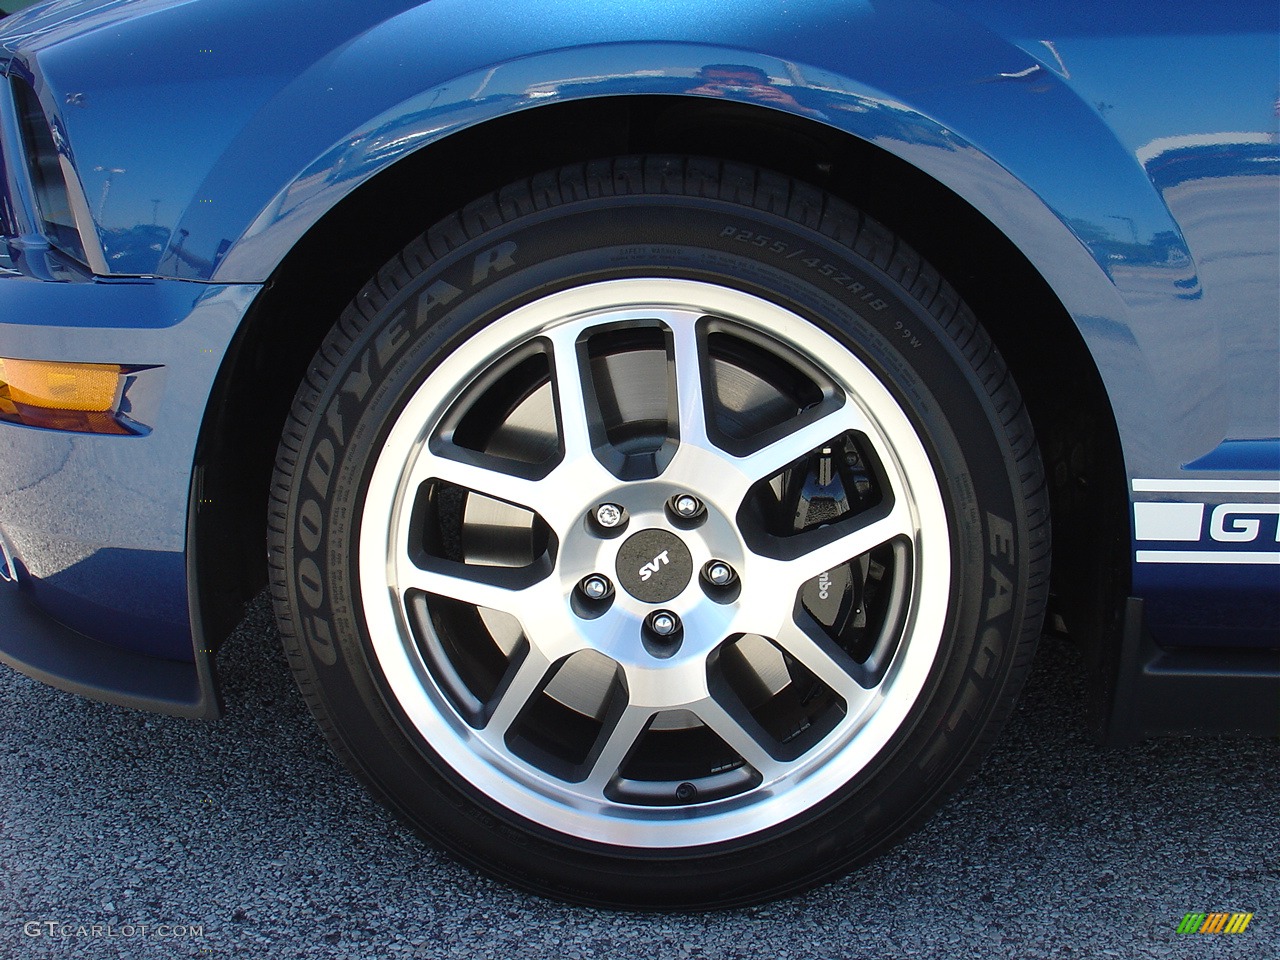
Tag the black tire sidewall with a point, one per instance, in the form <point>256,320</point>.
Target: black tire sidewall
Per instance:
<point>912,351</point>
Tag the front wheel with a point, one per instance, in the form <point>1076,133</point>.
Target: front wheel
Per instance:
<point>659,532</point>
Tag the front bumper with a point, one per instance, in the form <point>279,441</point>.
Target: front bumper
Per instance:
<point>99,600</point>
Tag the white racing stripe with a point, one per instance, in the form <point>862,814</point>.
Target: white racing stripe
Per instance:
<point>1206,556</point>
<point>1206,486</point>
<point>1234,523</point>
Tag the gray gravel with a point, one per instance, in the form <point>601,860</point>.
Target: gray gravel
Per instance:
<point>249,838</point>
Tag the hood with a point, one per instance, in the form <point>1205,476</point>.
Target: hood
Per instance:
<point>44,25</point>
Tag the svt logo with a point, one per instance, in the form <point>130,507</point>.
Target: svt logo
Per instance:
<point>652,567</point>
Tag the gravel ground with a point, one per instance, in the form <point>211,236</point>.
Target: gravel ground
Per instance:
<point>245,837</point>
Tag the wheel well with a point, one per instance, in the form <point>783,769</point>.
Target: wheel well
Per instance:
<point>308,290</point>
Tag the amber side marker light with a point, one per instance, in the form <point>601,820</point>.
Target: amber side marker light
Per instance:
<point>81,397</point>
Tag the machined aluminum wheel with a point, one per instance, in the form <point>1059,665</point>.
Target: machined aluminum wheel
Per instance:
<point>659,532</point>
<point>582,717</point>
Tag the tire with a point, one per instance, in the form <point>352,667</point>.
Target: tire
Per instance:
<point>795,462</point>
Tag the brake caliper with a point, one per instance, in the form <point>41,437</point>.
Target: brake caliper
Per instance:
<point>835,484</point>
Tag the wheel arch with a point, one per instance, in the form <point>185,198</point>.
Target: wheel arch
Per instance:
<point>1042,343</point>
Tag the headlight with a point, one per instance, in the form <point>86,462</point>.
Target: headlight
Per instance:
<point>48,182</point>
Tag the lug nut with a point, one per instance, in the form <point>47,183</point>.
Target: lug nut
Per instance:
<point>686,505</point>
<point>719,573</point>
<point>608,515</point>
<point>664,623</point>
<point>595,587</point>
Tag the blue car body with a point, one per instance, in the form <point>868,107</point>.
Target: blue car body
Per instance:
<point>1122,158</point>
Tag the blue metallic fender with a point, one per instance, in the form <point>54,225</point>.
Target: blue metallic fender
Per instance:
<point>206,147</point>
<point>95,528</point>
<point>1009,124</point>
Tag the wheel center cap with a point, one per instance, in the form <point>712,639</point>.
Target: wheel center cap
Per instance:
<point>654,566</point>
